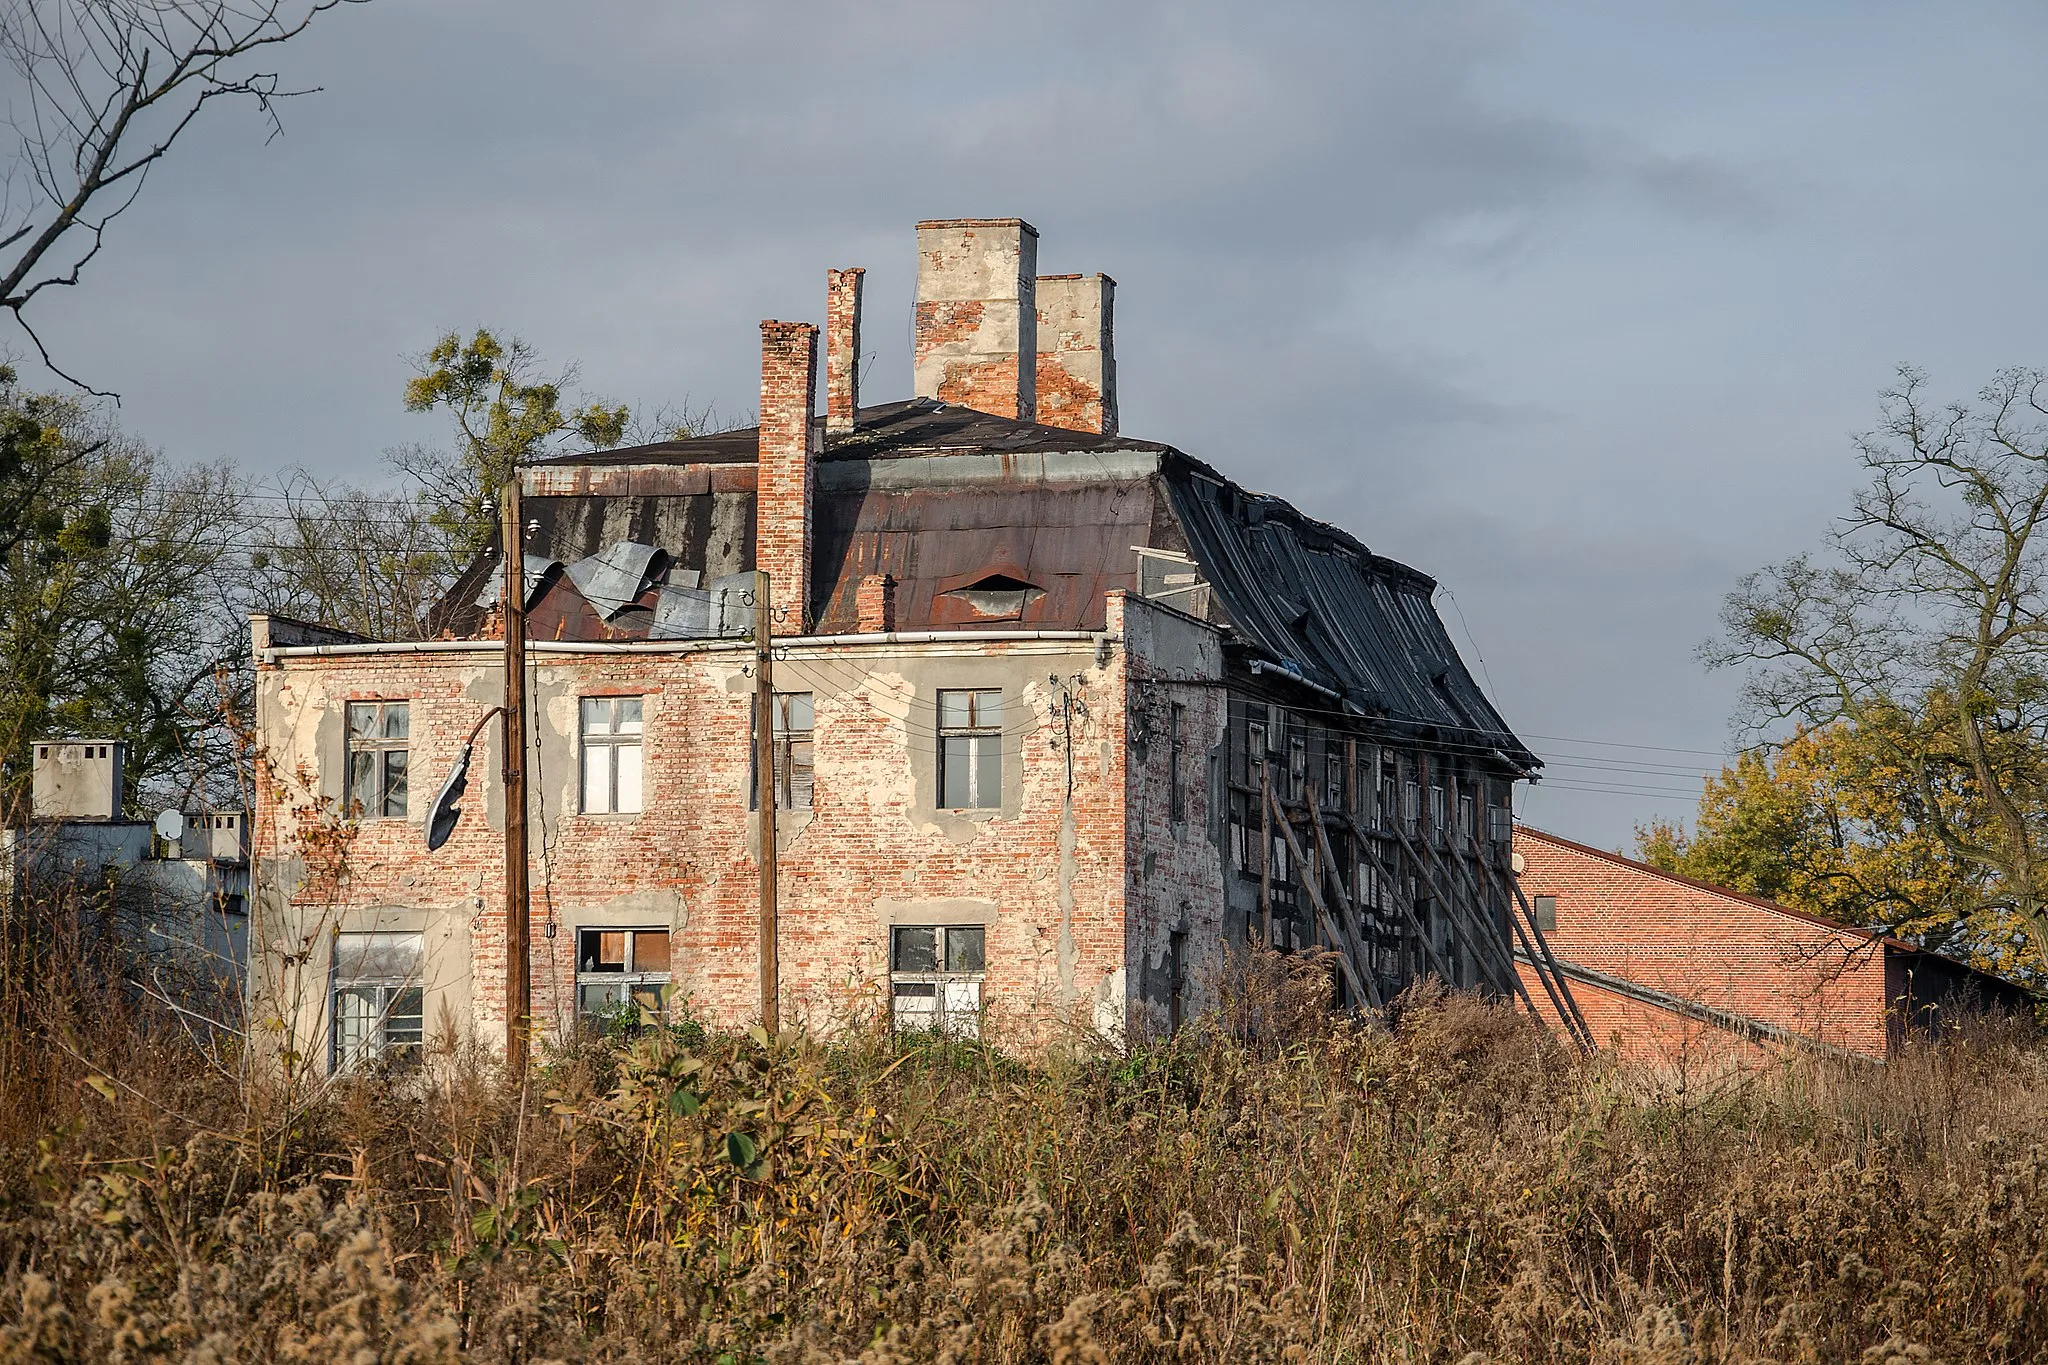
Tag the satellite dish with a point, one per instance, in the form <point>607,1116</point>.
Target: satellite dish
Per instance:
<point>170,826</point>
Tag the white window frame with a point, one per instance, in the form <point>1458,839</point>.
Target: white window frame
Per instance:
<point>393,1026</point>
<point>953,988</point>
<point>612,768</point>
<point>377,743</point>
<point>980,742</point>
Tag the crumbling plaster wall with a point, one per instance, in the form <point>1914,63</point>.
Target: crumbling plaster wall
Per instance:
<point>1044,872</point>
<point>1174,867</point>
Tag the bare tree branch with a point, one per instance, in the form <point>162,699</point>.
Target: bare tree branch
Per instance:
<point>108,87</point>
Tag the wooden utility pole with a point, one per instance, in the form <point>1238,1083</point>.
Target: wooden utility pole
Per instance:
<point>518,982</point>
<point>764,799</point>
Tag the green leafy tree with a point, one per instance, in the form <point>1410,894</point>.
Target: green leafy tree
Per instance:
<point>1831,823</point>
<point>506,413</point>
<point>1923,629</point>
<point>121,583</point>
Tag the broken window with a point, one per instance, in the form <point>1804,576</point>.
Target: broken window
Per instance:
<point>1411,805</point>
<point>622,971</point>
<point>1437,811</point>
<point>935,976</point>
<point>1333,778</point>
<point>378,737</point>
<point>1244,833</point>
<point>377,1006</point>
<point>971,750</point>
<point>1176,777</point>
<point>611,755</point>
<point>795,719</point>
<point>1297,768</point>
<point>1465,816</point>
<point>1499,824</point>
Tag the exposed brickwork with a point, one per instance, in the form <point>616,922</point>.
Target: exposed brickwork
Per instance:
<point>789,384</point>
<point>977,320</point>
<point>1080,875</point>
<point>1645,1033</point>
<point>842,347</point>
<point>1077,352</point>
<point>875,604</point>
<point>1771,965</point>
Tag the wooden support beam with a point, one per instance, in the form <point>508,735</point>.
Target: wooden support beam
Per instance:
<point>1542,960</point>
<point>1345,950</point>
<point>1348,917</point>
<point>1549,960</point>
<point>1499,960</point>
<point>1406,910</point>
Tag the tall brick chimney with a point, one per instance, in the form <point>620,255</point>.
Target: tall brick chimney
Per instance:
<point>1077,352</point>
<point>782,502</point>
<point>842,347</point>
<point>977,316</point>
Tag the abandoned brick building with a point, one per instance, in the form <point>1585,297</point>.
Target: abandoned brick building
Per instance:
<point>1060,715</point>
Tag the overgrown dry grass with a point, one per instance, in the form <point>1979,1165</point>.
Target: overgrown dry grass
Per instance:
<point>1455,1189</point>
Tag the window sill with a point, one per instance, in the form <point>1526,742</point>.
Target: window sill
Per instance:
<point>972,812</point>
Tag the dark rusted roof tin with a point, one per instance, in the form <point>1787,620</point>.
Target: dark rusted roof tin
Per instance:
<point>989,522</point>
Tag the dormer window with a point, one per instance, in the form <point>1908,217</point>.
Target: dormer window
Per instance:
<point>998,596</point>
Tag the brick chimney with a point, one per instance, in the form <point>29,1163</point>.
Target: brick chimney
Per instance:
<point>977,318</point>
<point>1077,352</point>
<point>782,502</point>
<point>875,604</point>
<point>842,347</point>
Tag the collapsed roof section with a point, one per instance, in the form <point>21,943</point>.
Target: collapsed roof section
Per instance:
<point>991,522</point>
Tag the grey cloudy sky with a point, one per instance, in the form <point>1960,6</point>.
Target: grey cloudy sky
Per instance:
<point>1573,306</point>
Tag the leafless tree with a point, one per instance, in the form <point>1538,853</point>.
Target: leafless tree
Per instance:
<point>103,90</point>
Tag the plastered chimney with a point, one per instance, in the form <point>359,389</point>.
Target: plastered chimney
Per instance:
<point>977,317</point>
<point>1077,352</point>
<point>842,347</point>
<point>782,501</point>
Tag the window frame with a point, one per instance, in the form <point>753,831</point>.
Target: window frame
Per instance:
<point>384,1043</point>
<point>980,740</point>
<point>936,980</point>
<point>631,974</point>
<point>1541,909</point>
<point>609,743</point>
<point>784,745</point>
<point>380,746</point>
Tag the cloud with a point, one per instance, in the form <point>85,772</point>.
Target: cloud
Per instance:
<point>1573,309</point>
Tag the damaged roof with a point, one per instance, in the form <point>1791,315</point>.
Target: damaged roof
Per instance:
<point>993,523</point>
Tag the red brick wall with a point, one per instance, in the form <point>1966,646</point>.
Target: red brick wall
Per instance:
<point>789,383</point>
<point>1721,950</point>
<point>1645,1033</point>
<point>1048,870</point>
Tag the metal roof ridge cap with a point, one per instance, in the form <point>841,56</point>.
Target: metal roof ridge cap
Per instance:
<point>986,466</point>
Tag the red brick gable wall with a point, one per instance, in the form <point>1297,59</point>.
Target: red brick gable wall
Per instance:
<point>1702,945</point>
